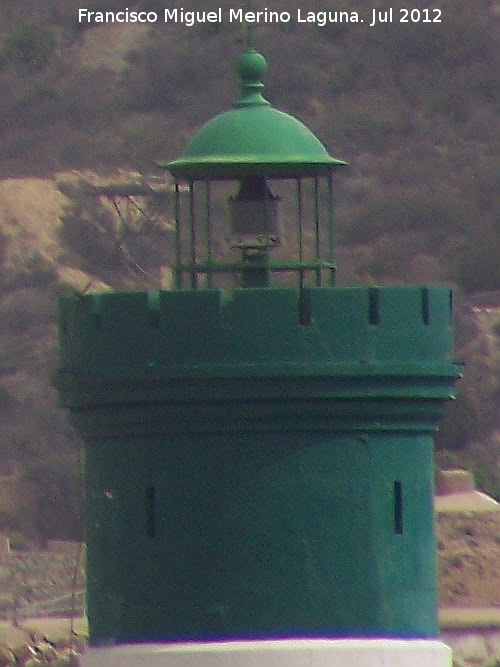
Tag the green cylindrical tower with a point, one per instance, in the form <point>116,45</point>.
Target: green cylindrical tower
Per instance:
<point>259,459</point>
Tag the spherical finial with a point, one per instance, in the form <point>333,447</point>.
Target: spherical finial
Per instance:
<point>251,67</point>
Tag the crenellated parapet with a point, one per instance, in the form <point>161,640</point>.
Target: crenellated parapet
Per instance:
<point>379,358</point>
<point>195,331</point>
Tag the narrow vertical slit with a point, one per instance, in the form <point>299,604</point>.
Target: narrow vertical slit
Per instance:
<point>373,306</point>
<point>451,306</point>
<point>150,511</point>
<point>398,507</point>
<point>426,313</point>
<point>305,309</point>
<point>97,311</point>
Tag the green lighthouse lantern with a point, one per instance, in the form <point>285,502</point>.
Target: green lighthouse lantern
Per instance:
<point>259,453</point>
<point>255,144</point>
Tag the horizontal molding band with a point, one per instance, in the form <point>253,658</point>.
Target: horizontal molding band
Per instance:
<point>83,390</point>
<point>306,415</point>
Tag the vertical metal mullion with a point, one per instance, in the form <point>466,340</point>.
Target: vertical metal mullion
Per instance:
<point>208,220</point>
<point>299,230</point>
<point>316,224</point>
<point>178,248</point>
<point>331,248</point>
<point>192,222</point>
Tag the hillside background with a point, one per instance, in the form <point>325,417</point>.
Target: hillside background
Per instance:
<point>414,109</point>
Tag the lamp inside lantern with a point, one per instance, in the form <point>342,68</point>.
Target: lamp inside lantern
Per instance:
<point>253,216</point>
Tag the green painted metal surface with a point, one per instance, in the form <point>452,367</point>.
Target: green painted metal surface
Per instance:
<point>284,535</point>
<point>259,463</point>
<point>253,138</point>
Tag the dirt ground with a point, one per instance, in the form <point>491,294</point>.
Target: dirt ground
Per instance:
<point>469,559</point>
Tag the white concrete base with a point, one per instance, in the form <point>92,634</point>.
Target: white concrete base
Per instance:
<point>276,653</point>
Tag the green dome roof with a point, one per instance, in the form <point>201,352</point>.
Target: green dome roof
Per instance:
<point>253,138</point>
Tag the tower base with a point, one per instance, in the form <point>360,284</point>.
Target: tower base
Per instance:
<point>276,653</point>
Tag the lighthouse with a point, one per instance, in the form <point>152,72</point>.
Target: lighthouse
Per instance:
<point>259,441</point>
